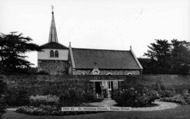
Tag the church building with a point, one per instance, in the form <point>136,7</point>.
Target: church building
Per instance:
<point>57,59</point>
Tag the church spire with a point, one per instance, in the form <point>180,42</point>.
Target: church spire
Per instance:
<point>53,32</point>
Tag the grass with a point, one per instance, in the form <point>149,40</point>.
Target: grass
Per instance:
<point>181,112</point>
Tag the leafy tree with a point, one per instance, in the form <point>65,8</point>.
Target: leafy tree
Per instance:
<point>180,56</point>
<point>159,53</point>
<point>168,57</point>
<point>13,47</point>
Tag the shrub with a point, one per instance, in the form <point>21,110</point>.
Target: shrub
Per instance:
<point>167,93</point>
<point>40,110</point>
<point>187,99</point>
<point>49,110</point>
<point>3,89</point>
<point>76,96</point>
<point>177,99</point>
<point>135,97</point>
<point>90,97</point>
<point>182,98</point>
<point>17,96</point>
<point>44,100</point>
<point>72,97</point>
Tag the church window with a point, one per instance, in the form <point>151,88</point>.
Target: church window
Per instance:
<point>51,53</point>
<point>56,53</point>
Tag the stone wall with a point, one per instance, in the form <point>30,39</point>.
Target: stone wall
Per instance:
<point>107,72</point>
<point>53,67</point>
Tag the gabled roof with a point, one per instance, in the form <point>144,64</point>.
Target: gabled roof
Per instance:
<point>104,59</point>
<point>53,45</point>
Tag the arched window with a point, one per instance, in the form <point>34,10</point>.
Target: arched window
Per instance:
<point>56,53</point>
<point>51,53</point>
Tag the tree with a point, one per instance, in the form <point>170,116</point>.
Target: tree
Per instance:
<point>13,47</point>
<point>159,53</point>
<point>168,57</point>
<point>180,56</point>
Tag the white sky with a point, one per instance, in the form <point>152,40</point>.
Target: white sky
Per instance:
<point>104,24</point>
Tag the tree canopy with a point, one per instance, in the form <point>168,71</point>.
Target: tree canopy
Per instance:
<point>13,47</point>
<point>168,57</point>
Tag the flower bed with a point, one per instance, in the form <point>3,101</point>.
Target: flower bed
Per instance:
<point>51,104</point>
<point>44,99</point>
<point>177,99</point>
<point>49,110</point>
<point>181,99</point>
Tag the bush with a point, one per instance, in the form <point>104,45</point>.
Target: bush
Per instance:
<point>3,89</point>
<point>72,97</point>
<point>49,110</point>
<point>177,99</point>
<point>76,97</point>
<point>44,100</point>
<point>40,110</point>
<point>17,96</point>
<point>135,97</point>
<point>182,98</point>
<point>167,93</point>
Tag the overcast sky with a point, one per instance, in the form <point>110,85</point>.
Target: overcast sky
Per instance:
<point>104,24</point>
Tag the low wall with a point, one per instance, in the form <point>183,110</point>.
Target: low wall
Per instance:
<point>178,82</point>
<point>44,84</point>
<point>168,81</point>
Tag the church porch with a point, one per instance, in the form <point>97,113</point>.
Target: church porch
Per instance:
<point>104,88</point>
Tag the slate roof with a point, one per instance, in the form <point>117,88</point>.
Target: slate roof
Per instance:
<point>53,45</point>
<point>104,59</point>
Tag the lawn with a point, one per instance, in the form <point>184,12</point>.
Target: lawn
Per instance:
<point>181,112</point>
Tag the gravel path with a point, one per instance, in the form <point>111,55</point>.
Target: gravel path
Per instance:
<point>107,103</point>
<point>160,105</point>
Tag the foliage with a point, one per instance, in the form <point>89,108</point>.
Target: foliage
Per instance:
<point>71,91</point>
<point>3,89</point>
<point>177,99</point>
<point>162,90</point>
<point>183,98</point>
<point>17,96</point>
<point>40,110</point>
<point>44,100</point>
<point>135,97</point>
<point>12,49</point>
<point>168,57</point>
<point>167,93</point>
<point>180,57</point>
<point>49,110</point>
<point>76,97</point>
<point>159,52</point>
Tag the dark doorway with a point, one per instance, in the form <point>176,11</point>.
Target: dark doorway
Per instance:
<point>98,87</point>
<point>110,84</point>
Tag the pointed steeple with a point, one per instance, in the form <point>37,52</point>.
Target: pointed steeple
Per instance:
<point>53,32</point>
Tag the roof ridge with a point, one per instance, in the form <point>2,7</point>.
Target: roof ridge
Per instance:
<point>54,45</point>
<point>100,49</point>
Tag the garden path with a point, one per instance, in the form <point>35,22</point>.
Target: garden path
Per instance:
<point>108,102</point>
<point>160,105</point>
